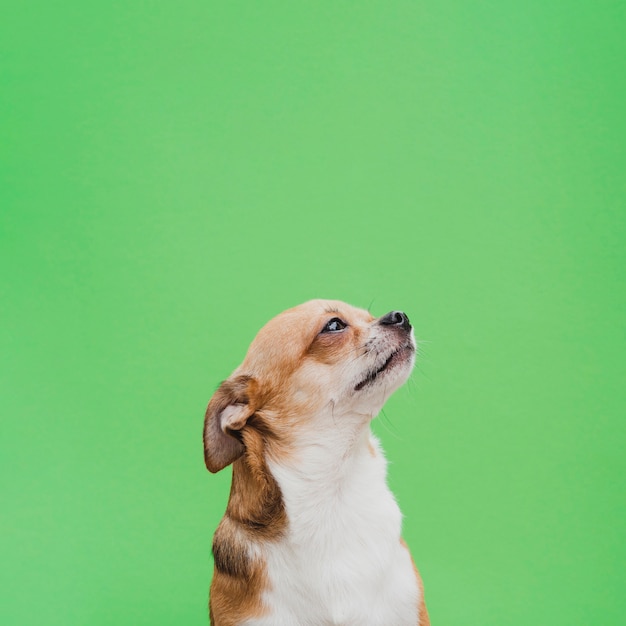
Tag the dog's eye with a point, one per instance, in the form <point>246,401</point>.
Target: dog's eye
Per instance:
<point>334,325</point>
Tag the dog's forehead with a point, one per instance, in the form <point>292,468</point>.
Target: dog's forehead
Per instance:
<point>302,321</point>
<point>285,336</point>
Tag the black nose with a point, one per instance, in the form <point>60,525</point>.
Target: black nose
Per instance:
<point>395,318</point>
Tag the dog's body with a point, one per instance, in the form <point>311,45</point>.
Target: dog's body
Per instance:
<point>311,534</point>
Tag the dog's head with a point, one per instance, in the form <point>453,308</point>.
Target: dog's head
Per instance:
<point>322,358</point>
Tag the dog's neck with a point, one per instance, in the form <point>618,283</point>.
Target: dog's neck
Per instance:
<point>324,456</point>
<point>335,471</point>
<point>331,457</point>
<point>341,534</point>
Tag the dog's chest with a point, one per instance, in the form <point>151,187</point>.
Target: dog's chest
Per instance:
<point>341,562</point>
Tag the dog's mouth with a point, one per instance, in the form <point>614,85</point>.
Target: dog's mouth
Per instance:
<point>390,361</point>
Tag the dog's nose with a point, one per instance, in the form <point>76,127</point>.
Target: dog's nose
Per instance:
<point>395,318</point>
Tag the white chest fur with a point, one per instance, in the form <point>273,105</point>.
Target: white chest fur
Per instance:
<point>341,561</point>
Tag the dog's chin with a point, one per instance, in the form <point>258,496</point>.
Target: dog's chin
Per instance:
<point>389,374</point>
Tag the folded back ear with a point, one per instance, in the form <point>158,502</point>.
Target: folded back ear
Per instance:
<point>228,412</point>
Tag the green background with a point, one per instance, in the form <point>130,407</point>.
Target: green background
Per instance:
<point>175,174</point>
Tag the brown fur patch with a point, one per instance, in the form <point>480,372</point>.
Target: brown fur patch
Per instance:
<point>235,599</point>
<point>255,499</point>
<point>230,551</point>
<point>255,513</point>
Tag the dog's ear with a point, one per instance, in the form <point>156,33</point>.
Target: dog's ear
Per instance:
<point>229,409</point>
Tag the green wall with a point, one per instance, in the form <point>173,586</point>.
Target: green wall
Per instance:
<point>175,174</point>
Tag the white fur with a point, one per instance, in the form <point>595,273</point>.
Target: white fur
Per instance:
<point>341,562</point>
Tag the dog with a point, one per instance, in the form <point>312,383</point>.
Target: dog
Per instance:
<point>311,533</point>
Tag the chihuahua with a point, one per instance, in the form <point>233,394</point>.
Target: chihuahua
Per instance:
<point>311,533</point>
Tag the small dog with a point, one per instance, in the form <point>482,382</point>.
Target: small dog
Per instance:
<point>311,534</point>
